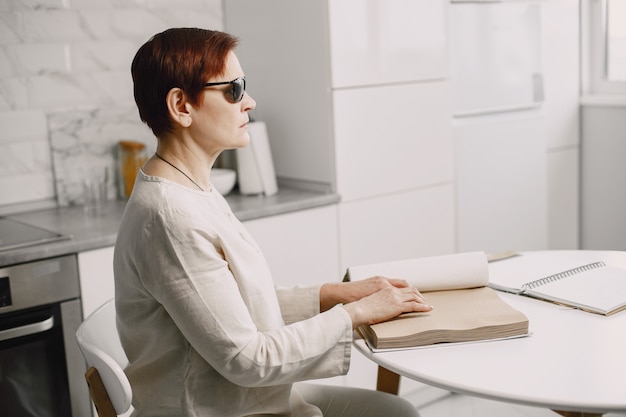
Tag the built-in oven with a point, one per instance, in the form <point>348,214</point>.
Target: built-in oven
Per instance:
<point>41,367</point>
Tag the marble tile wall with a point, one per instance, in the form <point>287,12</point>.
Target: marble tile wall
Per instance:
<point>66,91</point>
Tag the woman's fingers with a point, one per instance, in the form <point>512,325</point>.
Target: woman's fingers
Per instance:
<point>399,283</point>
<point>386,304</point>
<point>416,296</point>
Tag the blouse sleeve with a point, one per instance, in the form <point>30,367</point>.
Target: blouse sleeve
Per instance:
<point>298,303</point>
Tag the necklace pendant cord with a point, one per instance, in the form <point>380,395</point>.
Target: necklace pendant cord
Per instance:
<point>179,170</point>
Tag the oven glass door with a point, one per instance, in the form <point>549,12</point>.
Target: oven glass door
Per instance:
<point>33,376</point>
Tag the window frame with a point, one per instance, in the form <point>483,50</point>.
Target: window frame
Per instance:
<point>596,58</point>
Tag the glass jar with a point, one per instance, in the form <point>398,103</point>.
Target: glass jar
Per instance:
<point>131,156</point>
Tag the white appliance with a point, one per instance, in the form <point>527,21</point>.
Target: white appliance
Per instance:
<point>498,125</point>
<point>255,166</point>
<point>496,57</point>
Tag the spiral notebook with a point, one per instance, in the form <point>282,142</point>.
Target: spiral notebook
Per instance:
<point>593,286</point>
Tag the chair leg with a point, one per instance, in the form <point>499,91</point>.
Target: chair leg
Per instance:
<point>99,394</point>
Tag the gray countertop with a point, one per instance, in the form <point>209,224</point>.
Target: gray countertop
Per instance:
<point>90,232</point>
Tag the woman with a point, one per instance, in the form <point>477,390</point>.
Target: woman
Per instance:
<point>204,329</point>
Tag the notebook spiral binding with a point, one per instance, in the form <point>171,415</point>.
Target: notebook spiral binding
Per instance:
<point>555,277</point>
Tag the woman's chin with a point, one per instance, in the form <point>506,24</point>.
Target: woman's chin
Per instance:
<point>244,142</point>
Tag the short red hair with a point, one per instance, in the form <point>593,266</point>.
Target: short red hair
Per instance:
<point>181,57</point>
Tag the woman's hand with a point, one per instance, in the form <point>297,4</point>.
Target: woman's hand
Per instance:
<point>374,299</point>
<point>386,304</point>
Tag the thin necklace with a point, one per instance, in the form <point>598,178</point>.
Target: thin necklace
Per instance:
<point>178,169</point>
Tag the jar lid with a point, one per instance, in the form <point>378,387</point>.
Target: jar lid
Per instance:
<point>131,145</point>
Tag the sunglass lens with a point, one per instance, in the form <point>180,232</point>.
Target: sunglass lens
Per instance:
<point>239,88</point>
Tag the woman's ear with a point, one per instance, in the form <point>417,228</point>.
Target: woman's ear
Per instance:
<point>178,107</point>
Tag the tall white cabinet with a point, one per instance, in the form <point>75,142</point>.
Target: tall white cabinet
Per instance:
<point>356,98</point>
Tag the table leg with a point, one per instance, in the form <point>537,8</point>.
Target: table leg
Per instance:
<point>388,381</point>
<point>576,414</point>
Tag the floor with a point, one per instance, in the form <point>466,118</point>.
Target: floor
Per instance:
<point>433,402</point>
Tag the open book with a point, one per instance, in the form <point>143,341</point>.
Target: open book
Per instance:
<point>590,286</point>
<point>464,308</point>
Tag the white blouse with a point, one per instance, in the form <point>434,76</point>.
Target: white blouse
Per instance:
<point>200,320</point>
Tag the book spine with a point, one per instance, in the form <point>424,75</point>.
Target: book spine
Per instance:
<point>555,277</point>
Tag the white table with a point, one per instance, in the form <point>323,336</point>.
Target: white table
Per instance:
<point>574,362</point>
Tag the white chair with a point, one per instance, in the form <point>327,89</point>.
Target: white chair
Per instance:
<point>99,342</point>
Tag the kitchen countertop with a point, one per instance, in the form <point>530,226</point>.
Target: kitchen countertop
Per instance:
<point>89,232</point>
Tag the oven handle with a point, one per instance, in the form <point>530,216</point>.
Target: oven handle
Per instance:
<point>39,327</point>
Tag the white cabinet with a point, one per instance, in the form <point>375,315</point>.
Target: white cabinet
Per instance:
<point>392,138</point>
<point>501,182</point>
<point>495,56</point>
<point>318,55</point>
<point>355,96</point>
<point>95,268</point>
<point>561,57</point>
<point>399,226</point>
<point>387,41</point>
<point>300,247</point>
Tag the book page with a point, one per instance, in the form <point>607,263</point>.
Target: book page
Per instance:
<point>445,272</point>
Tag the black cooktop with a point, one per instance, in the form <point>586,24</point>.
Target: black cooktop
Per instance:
<point>14,234</point>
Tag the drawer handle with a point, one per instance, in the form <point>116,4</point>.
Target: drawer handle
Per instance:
<point>39,327</point>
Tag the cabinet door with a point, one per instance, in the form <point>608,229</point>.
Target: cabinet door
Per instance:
<point>398,226</point>
<point>392,138</point>
<point>387,41</point>
<point>501,182</point>
<point>97,284</point>
<point>301,247</point>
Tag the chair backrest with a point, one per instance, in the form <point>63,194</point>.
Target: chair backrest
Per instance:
<point>100,344</point>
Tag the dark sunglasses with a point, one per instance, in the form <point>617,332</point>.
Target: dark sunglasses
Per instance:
<point>236,92</point>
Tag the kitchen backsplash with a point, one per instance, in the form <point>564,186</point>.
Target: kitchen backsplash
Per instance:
<point>84,140</point>
<point>66,91</point>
